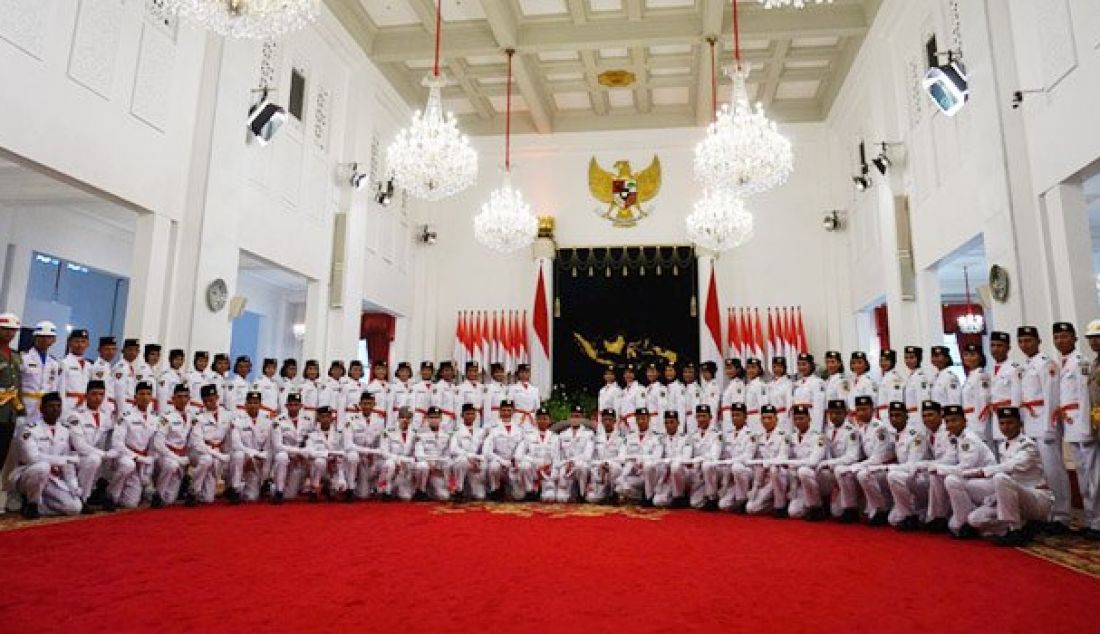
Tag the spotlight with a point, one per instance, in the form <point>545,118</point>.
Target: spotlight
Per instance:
<point>428,235</point>
<point>357,179</point>
<point>881,162</point>
<point>384,192</point>
<point>832,221</point>
<point>861,180</point>
<point>948,85</point>
<point>265,118</point>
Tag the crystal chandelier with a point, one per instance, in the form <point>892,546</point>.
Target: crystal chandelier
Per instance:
<point>971,323</point>
<point>742,150</point>
<point>255,19</point>
<point>719,221</point>
<point>431,159</point>
<point>798,4</point>
<point>506,223</point>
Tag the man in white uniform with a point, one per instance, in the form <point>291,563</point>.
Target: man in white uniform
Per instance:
<point>75,370</point>
<point>45,465</point>
<point>433,460</point>
<point>132,440</point>
<point>574,451</point>
<point>171,444</point>
<point>606,463</point>
<point>40,371</point>
<point>467,466</point>
<point>1074,412</point>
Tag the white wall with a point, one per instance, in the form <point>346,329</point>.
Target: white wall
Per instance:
<point>783,265</point>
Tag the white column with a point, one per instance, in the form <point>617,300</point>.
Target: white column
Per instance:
<point>1069,253</point>
<point>930,311</point>
<point>313,346</point>
<point>151,269</point>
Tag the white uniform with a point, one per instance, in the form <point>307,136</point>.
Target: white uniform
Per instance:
<point>290,460</point>
<point>423,396</point>
<point>700,474</point>
<point>673,467</point>
<point>446,399</point>
<point>397,464</point>
<point>837,387</point>
<point>249,454</point>
<point>640,460</point>
<point>871,474</point>
<point>862,385</point>
<point>756,396</point>
<point>40,376</point>
<point>609,396</point>
<point>362,435</point>
<point>125,381</point>
<point>945,387</point>
<point>431,473</point>
<point>918,389</point>
<point>526,398</point>
<point>536,455</point>
<point>574,452</point>
<point>605,463</point>
<point>495,392</point>
<point>975,402</point>
<point>209,451</point>
<point>101,371</point>
<point>45,471</point>
<point>734,393</point>
<point>499,450</point>
<point>236,389</point>
<point>910,482</point>
<point>269,394</point>
<point>693,395</point>
<point>91,433</point>
<point>631,397</point>
<point>132,440</point>
<point>171,443</point>
<point>780,395</point>
<point>910,447</point>
<point>809,391</point>
<point>891,388</point>
<point>72,381</point>
<point>843,443</point>
<point>1039,387</point>
<point>325,452</point>
<point>806,452</point>
<point>468,467</point>
<point>740,450</point>
<point>1075,410</point>
<point>476,394</point>
<point>165,385</point>
<point>774,449</point>
<point>1007,495</point>
<point>400,396</point>
<point>195,382</point>
<point>973,454</point>
<point>876,440</point>
<point>1005,390</point>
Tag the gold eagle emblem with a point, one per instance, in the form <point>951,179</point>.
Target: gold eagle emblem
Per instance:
<point>624,191</point>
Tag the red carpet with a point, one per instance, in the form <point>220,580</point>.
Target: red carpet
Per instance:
<point>413,567</point>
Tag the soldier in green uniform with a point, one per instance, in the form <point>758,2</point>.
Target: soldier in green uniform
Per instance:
<point>11,406</point>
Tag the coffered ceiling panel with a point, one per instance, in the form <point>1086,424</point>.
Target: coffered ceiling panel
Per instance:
<point>609,64</point>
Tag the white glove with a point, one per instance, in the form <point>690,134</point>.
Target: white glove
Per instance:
<point>111,455</point>
<point>971,473</point>
<point>183,461</point>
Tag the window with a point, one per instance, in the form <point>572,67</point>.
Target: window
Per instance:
<point>297,102</point>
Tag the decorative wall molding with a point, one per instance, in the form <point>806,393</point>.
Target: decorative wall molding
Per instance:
<point>322,106</point>
<point>157,14</point>
<point>23,24</point>
<point>916,94</point>
<point>1059,48</point>
<point>95,44</point>
<point>269,64</point>
<point>152,93</point>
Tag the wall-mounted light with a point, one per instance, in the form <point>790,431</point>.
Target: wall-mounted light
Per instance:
<point>862,180</point>
<point>265,117</point>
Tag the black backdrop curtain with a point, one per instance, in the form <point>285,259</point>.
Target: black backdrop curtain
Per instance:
<point>617,305</point>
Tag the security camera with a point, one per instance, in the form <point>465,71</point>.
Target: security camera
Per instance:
<point>383,194</point>
<point>832,221</point>
<point>862,182</point>
<point>1018,96</point>
<point>948,85</point>
<point>428,235</point>
<point>357,179</point>
<point>265,118</point>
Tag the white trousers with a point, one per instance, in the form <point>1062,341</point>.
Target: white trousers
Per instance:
<point>1014,505</point>
<point>602,478</point>
<point>875,489</point>
<point>909,488</point>
<point>431,477</point>
<point>1054,470</point>
<point>1086,456</point>
<point>470,476</point>
<point>129,481</point>
<point>169,476</point>
<point>54,493</point>
<point>397,478</point>
<point>570,484</point>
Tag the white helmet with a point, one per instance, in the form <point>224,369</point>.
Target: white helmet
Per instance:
<point>10,320</point>
<point>1093,329</point>
<point>45,329</point>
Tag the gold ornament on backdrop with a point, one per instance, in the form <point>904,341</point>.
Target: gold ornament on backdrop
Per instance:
<point>624,191</point>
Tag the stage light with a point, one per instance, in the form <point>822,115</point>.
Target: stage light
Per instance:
<point>383,194</point>
<point>428,235</point>
<point>832,221</point>
<point>881,162</point>
<point>948,85</point>
<point>265,118</point>
<point>861,180</point>
<point>357,179</point>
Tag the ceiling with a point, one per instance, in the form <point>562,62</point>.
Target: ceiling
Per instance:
<point>798,58</point>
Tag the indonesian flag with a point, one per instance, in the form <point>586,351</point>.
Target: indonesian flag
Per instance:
<point>460,334</point>
<point>524,346</point>
<point>475,339</point>
<point>517,339</point>
<point>731,334</point>
<point>758,327</point>
<point>495,338</point>
<point>789,335</point>
<point>540,324</point>
<point>802,347</point>
<point>711,349</point>
<point>746,336</point>
<point>770,350</point>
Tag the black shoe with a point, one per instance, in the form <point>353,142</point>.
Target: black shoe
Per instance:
<point>30,511</point>
<point>190,501</point>
<point>85,509</point>
<point>879,519</point>
<point>780,513</point>
<point>849,516</point>
<point>938,525</point>
<point>1013,538</point>
<point>265,488</point>
<point>815,514</point>
<point>1055,528</point>
<point>277,498</point>
<point>312,495</point>
<point>233,496</point>
<point>966,531</point>
<point>156,502</point>
<point>681,503</point>
<point>109,505</point>
<point>349,496</point>
<point>185,486</point>
<point>1091,534</point>
<point>741,508</point>
<point>647,503</point>
<point>910,523</point>
<point>711,505</point>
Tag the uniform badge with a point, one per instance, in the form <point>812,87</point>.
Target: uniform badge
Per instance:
<point>820,441</point>
<point>966,446</point>
<point>985,384</point>
<point>881,435</point>
<point>916,442</point>
<point>852,436</point>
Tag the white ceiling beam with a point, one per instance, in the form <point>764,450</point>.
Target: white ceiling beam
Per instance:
<point>633,10</point>
<point>596,92</point>
<point>356,22</point>
<point>774,68</point>
<point>641,79</point>
<point>425,10</point>
<point>502,23</point>
<point>457,70</point>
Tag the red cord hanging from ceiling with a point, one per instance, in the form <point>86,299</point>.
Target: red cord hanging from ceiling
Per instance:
<point>438,33</point>
<point>508,117</point>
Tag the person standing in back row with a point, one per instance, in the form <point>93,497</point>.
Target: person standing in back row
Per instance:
<point>1074,413</point>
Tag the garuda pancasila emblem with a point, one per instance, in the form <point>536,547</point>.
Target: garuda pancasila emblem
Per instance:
<point>624,191</point>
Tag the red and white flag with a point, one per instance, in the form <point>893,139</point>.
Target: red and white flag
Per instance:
<point>711,344</point>
<point>539,349</point>
<point>758,334</point>
<point>802,347</point>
